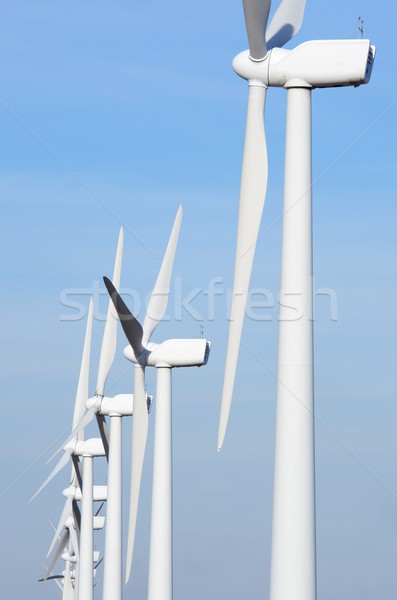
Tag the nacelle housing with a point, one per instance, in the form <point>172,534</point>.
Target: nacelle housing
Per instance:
<point>174,353</point>
<point>316,64</point>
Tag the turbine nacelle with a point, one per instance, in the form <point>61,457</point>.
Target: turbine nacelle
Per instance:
<point>121,405</point>
<point>315,64</point>
<point>90,447</point>
<point>100,493</point>
<point>70,523</point>
<point>66,556</point>
<point>173,353</point>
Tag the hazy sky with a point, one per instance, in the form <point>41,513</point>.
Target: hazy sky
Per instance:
<point>114,113</point>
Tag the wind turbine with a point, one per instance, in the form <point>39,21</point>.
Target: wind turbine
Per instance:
<point>115,408</point>
<point>100,406</point>
<point>67,547</point>
<point>164,356</point>
<point>71,510</point>
<point>311,65</point>
<point>70,518</point>
<point>86,450</point>
<point>73,494</point>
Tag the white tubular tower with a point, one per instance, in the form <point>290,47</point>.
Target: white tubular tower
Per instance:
<point>293,563</point>
<point>160,565</point>
<point>86,567</point>
<point>112,578</point>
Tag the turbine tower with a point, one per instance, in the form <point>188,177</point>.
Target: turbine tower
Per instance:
<point>314,64</point>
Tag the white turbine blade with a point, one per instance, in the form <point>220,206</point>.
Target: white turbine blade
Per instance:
<point>53,577</point>
<point>82,387</point>
<point>82,424</point>
<point>256,13</point>
<point>159,297</point>
<point>131,327</point>
<point>109,341</point>
<point>76,516</point>
<point>74,541</point>
<point>59,466</point>
<point>139,435</point>
<point>59,549</point>
<point>286,23</point>
<point>252,199</point>
<point>67,511</point>
<point>103,432</point>
<point>51,523</point>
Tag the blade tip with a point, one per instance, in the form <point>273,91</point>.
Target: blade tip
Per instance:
<point>179,213</point>
<point>128,572</point>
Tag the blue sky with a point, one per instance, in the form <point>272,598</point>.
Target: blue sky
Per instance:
<point>114,114</point>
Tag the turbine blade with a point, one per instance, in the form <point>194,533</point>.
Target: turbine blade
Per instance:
<point>51,523</point>
<point>286,23</point>
<point>82,424</point>
<point>74,541</point>
<point>104,433</point>
<point>77,468</point>
<point>139,435</point>
<point>67,511</point>
<point>76,517</point>
<point>108,349</point>
<point>59,466</point>
<point>159,297</point>
<point>256,13</point>
<point>82,386</point>
<point>53,577</point>
<point>132,328</point>
<point>252,199</point>
<point>59,549</point>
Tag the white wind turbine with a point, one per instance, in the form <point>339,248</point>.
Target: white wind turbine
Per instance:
<point>68,547</point>
<point>115,408</point>
<point>71,509</point>
<point>78,412</point>
<point>87,450</point>
<point>310,65</point>
<point>164,356</point>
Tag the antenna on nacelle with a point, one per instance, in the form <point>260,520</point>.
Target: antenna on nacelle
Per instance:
<point>360,28</point>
